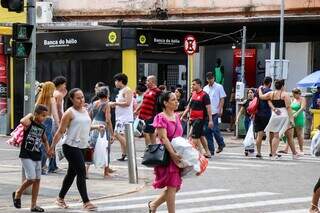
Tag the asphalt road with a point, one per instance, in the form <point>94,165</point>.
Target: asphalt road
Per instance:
<point>232,183</point>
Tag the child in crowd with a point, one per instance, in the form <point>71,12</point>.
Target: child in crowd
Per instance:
<point>30,155</point>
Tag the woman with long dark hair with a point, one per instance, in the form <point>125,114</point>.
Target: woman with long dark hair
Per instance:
<point>76,123</point>
<point>281,121</point>
<point>168,126</point>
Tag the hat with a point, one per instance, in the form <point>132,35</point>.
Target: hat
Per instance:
<point>209,75</point>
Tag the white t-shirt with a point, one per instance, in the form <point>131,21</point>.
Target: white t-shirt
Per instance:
<point>124,114</point>
<point>215,92</point>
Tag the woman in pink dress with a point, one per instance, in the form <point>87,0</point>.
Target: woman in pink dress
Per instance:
<point>168,126</point>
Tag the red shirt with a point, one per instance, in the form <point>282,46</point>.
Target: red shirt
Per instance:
<point>148,106</point>
<point>198,103</point>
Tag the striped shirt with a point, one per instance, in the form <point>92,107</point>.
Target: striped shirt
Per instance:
<point>148,106</point>
<point>199,101</point>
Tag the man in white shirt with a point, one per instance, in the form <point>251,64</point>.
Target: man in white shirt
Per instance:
<point>217,95</point>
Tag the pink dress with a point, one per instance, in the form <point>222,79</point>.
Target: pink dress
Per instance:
<point>168,175</point>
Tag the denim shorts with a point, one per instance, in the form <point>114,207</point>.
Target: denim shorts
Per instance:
<point>32,169</point>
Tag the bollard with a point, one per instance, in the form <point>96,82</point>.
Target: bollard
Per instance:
<point>132,158</point>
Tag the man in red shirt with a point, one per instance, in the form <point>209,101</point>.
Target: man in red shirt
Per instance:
<point>199,107</point>
<point>148,109</point>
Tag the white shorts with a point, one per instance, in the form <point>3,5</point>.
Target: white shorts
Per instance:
<point>32,169</point>
<point>120,127</point>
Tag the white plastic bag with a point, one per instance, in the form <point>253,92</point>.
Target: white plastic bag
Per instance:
<point>193,163</point>
<point>100,155</point>
<point>59,152</point>
<point>315,144</point>
<point>249,141</point>
<point>138,125</point>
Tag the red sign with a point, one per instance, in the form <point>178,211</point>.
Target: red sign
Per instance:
<point>190,44</point>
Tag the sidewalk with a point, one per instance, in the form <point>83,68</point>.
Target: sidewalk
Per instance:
<point>98,187</point>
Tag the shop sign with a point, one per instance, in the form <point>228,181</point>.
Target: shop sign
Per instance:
<point>79,41</point>
<point>159,40</point>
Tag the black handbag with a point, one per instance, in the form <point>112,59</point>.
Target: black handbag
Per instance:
<point>157,154</point>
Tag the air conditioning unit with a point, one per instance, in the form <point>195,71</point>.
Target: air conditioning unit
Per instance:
<point>44,12</point>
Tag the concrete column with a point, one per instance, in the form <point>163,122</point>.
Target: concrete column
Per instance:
<point>199,60</point>
<point>129,67</point>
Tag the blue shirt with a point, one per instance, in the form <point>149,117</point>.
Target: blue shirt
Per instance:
<point>264,109</point>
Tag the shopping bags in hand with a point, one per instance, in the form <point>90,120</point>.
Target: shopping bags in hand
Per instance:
<point>100,155</point>
<point>59,151</point>
<point>16,136</point>
<point>193,162</point>
<point>138,125</point>
<point>249,141</point>
<point>315,144</point>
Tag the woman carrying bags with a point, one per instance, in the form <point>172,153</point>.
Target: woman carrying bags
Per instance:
<point>168,126</point>
<point>76,123</point>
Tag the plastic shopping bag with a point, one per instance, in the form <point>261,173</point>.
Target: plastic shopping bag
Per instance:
<point>59,151</point>
<point>249,141</point>
<point>192,163</point>
<point>100,155</point>
<point>16,136</point>
<point>138,125</point>
<point>315,144</point>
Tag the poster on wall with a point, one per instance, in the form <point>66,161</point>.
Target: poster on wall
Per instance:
<point>249,68</point>
<point>3,82</point>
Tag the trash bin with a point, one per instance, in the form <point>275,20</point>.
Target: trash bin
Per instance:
<point>316,120</point>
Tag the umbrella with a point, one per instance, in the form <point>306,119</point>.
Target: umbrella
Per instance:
<point>311,80</point>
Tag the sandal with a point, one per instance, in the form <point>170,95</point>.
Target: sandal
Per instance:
<point>316,210</point>
<point>89,207</point>
<point>16,201</point>
<point>283,152</point>
<point>150,209</point>
<point>37,209</point>
<point>60,202</point>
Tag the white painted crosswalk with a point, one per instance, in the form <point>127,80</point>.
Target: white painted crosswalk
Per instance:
<point>210,200</point>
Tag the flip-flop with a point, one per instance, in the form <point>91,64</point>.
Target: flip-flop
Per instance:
<point>37,209</point>
<point>16,202</point>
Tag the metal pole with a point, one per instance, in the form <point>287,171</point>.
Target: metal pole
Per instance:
<point>243,52</point>
<point>132,158</point>
<point>30,71</point>
<point>281,37</point>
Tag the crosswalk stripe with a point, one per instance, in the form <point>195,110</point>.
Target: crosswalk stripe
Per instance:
<point>190,200</point>
<point>146,168</point>
<point>291,211</point>
<point>234,164</point>
<point>150,197</point>
<point>243,205</point>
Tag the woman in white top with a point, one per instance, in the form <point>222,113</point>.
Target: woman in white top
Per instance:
<point>124,110</point>
<point>76,123</point>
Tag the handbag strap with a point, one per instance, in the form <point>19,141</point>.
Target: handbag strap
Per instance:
<point>176,126</point>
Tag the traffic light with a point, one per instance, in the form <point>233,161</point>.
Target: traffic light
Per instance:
<point>13,5</point>
<point>21,46</point>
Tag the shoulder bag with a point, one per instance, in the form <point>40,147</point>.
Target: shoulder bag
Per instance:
<point>157,154</point>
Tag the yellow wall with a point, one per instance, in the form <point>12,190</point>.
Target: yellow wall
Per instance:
<point>11,17</point>
<point>129,67</point>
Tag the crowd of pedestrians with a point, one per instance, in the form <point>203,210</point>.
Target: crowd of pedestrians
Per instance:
<point>165,114</point>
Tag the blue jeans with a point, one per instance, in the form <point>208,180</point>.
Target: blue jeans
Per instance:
<point>214,132</point>
<point>247,121</point>
<point>48,123</point>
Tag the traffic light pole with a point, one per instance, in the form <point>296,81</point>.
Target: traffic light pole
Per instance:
<point>30,71</point>
<point>30,63</point>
